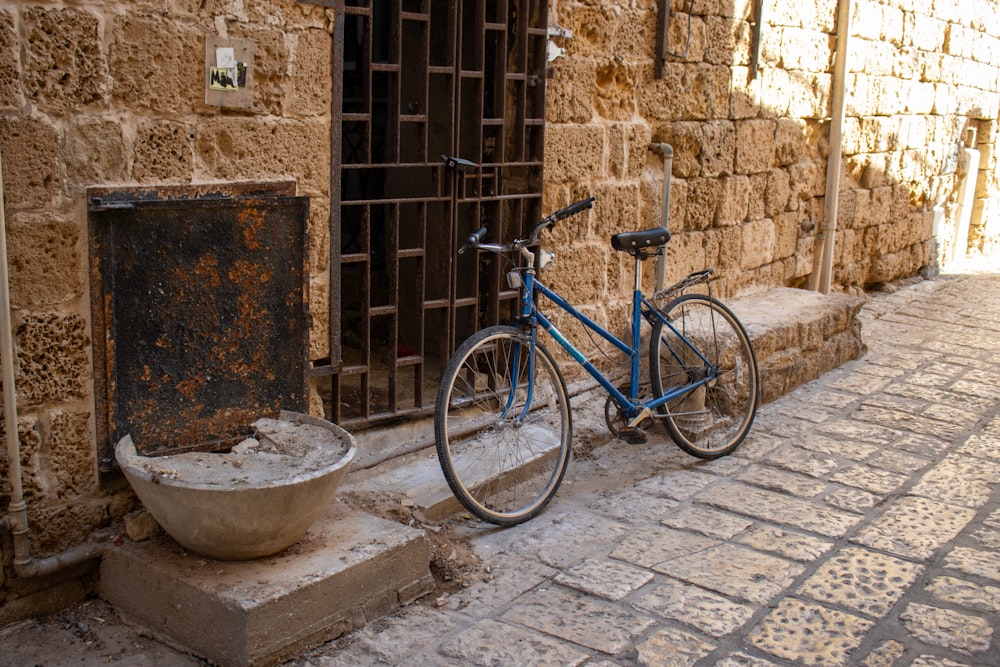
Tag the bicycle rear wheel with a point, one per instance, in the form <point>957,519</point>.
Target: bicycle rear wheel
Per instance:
<point>713,417</point>
<point>504,458</point>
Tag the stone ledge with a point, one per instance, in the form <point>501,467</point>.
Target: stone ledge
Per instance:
<point>798,335</point>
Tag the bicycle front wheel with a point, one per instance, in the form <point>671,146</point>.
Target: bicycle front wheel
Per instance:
<point>502,429</point>
<point>709,354</point>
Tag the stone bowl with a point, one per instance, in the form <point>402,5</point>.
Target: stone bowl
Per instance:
<point>244,504</point>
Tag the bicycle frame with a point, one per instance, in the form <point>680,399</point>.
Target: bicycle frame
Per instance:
<point>641,308</point>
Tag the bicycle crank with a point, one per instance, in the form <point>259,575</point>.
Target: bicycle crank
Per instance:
<point>618,423</point>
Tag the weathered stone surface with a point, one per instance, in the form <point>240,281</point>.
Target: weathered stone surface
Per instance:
<point>736,571</point>
<point>860,580</point>
<point>951,629</point>
<point>610,580</point>
<point>781,509</point>
<point>914,527</point>
<point>673,646</point>
<point>52,352</point>
<point>708,522</point>
<point>64,65</point>
<point>581,620</point>
<point>707,612</point>
<point>44,260</point>
<point>478,645</point>
<point>809,633</point>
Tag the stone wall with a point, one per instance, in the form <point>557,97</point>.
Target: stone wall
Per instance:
<point>750,152</point>
<point>110,92</point>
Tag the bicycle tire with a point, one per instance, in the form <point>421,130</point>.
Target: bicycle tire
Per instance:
<point>503,464</point>
<point>712,420</point>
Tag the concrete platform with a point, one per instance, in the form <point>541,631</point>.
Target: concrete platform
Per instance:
<point>351,568</point>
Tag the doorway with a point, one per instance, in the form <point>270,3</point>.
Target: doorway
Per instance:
<point>422,81</point>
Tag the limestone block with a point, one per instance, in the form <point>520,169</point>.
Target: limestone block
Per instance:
<point>809,97</point>
<point>734,201</point>
<point>574,152</point>
<point>569,91</point>
<point>580,272</point>
<point>93,151</point>
<point>63,64</point>
<point>164,152</point>
<point>685,254</point>
<point>663,99</point>
<point>686,138</point>
<point>615,88</point>
<point>777,194</point>
<point>616,210</point>
<point>52,358</point>
<point>925,32</point>
<point>689,49</point>
<point>727,41</point>
<point>786,234</point>
<point>755,204</point>
<point>745,98</point>
<point>10,78</point>
<point>237,148</point>
<point>46,267</point>
<point>310,64</point>
<point>755,148</point>
<point>723,249</point>
<point>593,28</point>
<point>319,309</point>
<point>807,179</point>
<point>70,454</point>
<point>776,86</point>
<point>271,66</point>
<point>880,206</point>
<point>635,30</point>
<point>718,149</point>
<point>708,91</point>
<point>58,526</point>
<point>31,172</point>
<point>32,467</point>
<point>678,204</point>
<point>177,48</point>
<point>807,49</point>
<point>758,243</point>
<point>318,231</point>
<point>703,199</point>
<point>789,141</point>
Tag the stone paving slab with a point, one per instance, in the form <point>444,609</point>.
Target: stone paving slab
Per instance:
<point>859,524</point>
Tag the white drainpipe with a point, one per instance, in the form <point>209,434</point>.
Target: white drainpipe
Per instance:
<point>823,260</point>
<point>17,511</point>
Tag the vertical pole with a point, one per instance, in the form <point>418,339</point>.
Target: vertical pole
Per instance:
<point>823,261</point>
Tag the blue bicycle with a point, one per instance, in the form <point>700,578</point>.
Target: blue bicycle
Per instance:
<point>503,425</point>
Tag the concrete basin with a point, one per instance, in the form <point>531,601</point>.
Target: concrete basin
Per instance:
<point>251,502</point>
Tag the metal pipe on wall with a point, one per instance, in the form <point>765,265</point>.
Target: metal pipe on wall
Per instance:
<point>667,152</point>
<point>17,511</point>
<point>820,278</point>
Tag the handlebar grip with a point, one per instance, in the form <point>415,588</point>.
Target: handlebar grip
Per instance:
<point>574,208</point>
<point>474,239</point>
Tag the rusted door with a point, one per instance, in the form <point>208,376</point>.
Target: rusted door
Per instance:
<point>422,80</point>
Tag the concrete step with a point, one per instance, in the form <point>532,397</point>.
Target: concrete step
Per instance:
<point>351,568</point>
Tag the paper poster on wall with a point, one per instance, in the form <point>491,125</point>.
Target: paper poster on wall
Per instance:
<point>229,71</point>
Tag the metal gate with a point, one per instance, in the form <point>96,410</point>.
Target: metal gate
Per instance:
<point>423,80</point>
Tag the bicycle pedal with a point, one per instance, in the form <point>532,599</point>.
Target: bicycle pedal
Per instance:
<point>633,436</point>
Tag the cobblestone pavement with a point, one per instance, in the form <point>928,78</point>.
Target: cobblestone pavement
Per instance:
<point>859,524</point>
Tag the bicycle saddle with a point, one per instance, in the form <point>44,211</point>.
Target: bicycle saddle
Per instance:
<point>632,242</point>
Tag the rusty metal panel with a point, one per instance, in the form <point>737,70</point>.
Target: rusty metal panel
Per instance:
<point>200,317</point>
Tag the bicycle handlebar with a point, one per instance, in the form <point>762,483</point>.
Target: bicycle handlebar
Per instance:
<point>475,239</point>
